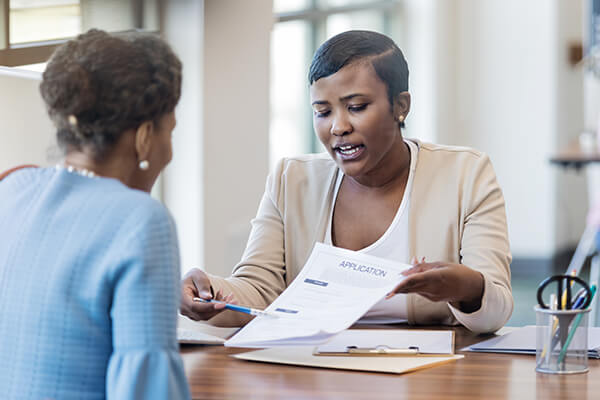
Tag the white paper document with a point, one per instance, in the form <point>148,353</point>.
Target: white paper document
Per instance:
<point>333,290</point>
<point>194,332</point>
<point>523,341</point>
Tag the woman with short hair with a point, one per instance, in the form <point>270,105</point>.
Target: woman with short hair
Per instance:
<point>378,193</point>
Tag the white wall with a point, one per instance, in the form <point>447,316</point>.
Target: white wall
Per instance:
<point>236,111</point>
<point>500,82</point>
<point>571,204</point>
<point>183,191</point>
<point>220,164</point>
<point>418,34</point>
<point>27,135</point>
<point>510,109</point>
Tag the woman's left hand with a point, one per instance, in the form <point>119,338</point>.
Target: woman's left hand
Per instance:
<point>440,281</point>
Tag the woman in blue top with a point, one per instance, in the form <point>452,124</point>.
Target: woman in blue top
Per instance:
<point>89,264</point>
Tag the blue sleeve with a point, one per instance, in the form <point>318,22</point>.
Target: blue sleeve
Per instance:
<point>145,362</point>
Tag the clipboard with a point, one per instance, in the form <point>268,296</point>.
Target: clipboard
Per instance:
<point>303,356</point>
<point>388,342</point>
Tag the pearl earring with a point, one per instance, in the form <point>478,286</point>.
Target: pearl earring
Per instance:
<point>144,165</point>
<point>72,120</point>
<point>400,118</point>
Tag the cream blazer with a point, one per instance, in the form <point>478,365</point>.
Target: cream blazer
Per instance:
<point>457,215</point>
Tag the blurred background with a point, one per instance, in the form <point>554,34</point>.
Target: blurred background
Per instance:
<point>516,79</point>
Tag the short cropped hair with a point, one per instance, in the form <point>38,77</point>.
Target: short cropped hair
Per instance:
<point>99,85</point>
<point>351,46</point>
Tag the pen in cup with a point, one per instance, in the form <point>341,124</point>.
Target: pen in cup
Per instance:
<point>238,308</point>
<point>579,298</point>
<point>563,351</point>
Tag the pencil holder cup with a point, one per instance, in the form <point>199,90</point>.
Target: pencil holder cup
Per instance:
<point>561,341</point>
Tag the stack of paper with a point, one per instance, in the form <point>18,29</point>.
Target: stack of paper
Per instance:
<point>193,332</point>
<point>522,341</point>
<point>333,290</point>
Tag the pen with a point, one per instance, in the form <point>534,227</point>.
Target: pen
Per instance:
<point>235,307</point>
<point>563,351</point>
<point>578,303</point>
<point>579,298</point>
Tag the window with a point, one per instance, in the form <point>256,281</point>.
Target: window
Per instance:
<point>302,25</point>
<point>39,20</point>
<point>30,30</point>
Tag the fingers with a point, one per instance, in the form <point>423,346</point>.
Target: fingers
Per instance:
<point>424,284</point>
<point>203,311</point>
<point>441,281</point>
<point>416,261</point>
<point>196,284</point>
<point>230,299</point>
<point>422,267</point>
<point>200,311</point>
<point>411,284</point>
<point>188,293</point>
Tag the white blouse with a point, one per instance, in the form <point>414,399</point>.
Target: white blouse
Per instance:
<point>392,245</point>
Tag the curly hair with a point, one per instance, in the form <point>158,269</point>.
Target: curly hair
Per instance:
<point>98,85</point>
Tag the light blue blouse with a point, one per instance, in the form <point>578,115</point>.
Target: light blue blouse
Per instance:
<point>89,290</point>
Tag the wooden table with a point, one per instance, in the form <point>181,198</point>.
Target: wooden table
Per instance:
<point>212,374</point>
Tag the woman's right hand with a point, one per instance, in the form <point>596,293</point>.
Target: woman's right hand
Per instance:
<point>196,284</point>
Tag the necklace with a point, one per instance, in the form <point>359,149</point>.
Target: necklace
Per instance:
<point>80,171</point>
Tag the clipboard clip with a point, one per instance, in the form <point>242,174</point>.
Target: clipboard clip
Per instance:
<point>382,349</point>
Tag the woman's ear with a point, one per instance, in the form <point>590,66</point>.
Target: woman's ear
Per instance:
<point>402,104</point>
<point>143,140</point>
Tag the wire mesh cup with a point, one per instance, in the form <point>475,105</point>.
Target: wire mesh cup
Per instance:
<point>561,341</point>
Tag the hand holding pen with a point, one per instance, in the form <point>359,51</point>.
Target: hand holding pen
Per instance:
<point>235,307</point>
<point>195,284</point>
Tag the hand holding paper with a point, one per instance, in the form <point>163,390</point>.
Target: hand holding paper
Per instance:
<point>335,288</point>
<point>440,281</point>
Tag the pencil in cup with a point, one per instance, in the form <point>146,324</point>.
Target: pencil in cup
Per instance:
<point>553,334</point>
<point>563,351</point>
<point>238,308</point>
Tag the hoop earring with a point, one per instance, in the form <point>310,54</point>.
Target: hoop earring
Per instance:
<point>144,165</point>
